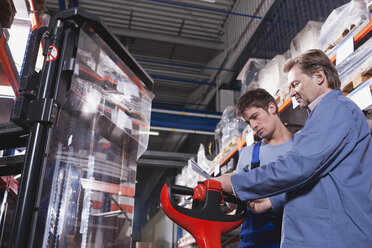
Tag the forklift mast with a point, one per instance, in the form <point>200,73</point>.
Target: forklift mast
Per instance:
<point>88,115</point>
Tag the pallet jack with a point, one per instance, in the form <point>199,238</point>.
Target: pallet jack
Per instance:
<point>205,221</point>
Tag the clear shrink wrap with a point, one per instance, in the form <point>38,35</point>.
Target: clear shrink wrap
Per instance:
<point>202,160</point>
<point>231,125</point>
<point>356,64</point>
<point>306,39</point>
<point>250,76</point>
<point>341,21</point>
<point>271,77</point>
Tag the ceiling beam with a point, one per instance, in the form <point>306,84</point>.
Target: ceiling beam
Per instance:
<point>169,38</point>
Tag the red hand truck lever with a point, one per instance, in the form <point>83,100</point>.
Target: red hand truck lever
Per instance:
<point>205,221</point>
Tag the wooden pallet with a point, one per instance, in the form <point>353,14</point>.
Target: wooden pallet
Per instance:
<point>339,39</point>
<point>231,144</point>
<point>245,131</point>
<point>356,81</point>
<point>279,97</point>
<point>225,151</point>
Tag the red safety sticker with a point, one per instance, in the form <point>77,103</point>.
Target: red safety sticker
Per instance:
<point>52,53</point>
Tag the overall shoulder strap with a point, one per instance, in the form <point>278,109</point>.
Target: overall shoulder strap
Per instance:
<point>255,162</point>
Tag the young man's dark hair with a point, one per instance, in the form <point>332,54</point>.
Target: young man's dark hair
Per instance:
<point>258,98</point>
<point>312,60</point>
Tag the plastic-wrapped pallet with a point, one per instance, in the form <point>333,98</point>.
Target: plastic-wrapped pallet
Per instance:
<point>218,136</point>
<point>180,180</point>
<point>250,77</point>
<point>228,127</point>
<point>192,177</point>
<point>271,77</point>
<point>183,178</point>
<point>358,63</point>
<point>202,160</point>
<point>231,125</point>
<point>306,39</point>
<point>341,21</point>
<point>228,116</point>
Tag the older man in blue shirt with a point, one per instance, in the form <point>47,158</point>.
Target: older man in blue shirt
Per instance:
<point>327,176</point>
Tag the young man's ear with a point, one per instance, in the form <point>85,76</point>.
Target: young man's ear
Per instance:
<point>271,108</point>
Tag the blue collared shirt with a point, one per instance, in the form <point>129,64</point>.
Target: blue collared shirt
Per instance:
<point>327,178</point>
<point>313,104</point>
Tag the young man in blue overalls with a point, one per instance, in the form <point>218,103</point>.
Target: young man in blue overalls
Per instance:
<point>258,108</point>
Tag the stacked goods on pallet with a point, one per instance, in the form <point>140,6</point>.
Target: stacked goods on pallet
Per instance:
<point>251,70</point>
<point>202,160</point>
<point>188,176</point>
<point>191,176</point>
<point>340,22</point>
<point>356,68</point>
<point>218,136</point>
<point>227,134</point>
<point>271,77</point>
<point>232,127</point>
<point>228,129</point>
<point>179,180</point>
<point>306,39</point>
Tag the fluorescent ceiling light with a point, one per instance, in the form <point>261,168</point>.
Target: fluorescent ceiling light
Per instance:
<point>149,133</point>
<point>209,1</point>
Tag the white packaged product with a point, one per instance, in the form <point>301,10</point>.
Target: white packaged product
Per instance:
<point>192,177</point>
<point>306,39</point>
<point>272,77</point>
<point>357,63</point>
<point>218,136</point>
<point>202,160</point>
<point>341,21</point>
<point>179,180</point>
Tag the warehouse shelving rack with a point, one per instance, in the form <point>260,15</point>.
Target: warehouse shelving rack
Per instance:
<point>360,33</point>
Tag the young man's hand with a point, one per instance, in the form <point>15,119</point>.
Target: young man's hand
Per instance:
<point>260,205</point>
<point>225,180</point>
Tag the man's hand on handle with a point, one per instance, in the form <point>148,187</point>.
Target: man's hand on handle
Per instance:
<point>225,180</point>
<point>256,206</point>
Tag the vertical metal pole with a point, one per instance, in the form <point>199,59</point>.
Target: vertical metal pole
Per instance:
<point>3,210</point>
<point>218,94</point>
<point>25,212</point>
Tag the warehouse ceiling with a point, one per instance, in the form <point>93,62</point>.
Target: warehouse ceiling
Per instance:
<point>175,41</point>
<point>192,48</point>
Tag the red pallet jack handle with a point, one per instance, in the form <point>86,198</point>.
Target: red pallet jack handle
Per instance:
<point>206,222</point>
